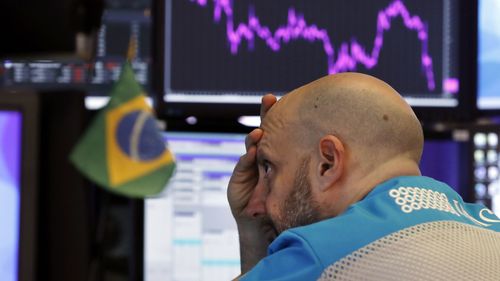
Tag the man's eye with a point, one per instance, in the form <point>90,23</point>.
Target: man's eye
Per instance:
<point>267,167</point>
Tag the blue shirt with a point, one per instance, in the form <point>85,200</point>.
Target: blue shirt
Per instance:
<point>303,253</point>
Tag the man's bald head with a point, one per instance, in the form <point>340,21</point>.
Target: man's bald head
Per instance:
<point>366,114</point>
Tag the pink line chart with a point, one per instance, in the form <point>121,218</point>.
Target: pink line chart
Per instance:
<point>346,57</point>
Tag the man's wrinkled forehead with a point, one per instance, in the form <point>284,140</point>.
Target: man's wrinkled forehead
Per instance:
<point>277,115</point>
<point>273,126</point>
<point>274,120</point>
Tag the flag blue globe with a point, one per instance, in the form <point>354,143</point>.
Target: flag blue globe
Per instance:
<point>138,137</point>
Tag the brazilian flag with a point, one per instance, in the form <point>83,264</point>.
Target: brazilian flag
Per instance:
<point>123,150</point>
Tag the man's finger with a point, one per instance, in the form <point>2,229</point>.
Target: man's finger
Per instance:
<point>245,164</point>
<point>267,102</point>
<point>253,138</point>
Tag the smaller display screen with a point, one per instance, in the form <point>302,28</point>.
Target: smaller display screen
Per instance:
<point>10,164</point>
<point>489,55</point>
<point>441,160</point>
<point>485,155</point>
<point>189,233</point>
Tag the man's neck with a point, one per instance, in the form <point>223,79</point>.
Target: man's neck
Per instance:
<point>357,185</point>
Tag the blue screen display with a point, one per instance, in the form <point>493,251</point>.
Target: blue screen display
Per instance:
<point>440,160</point>
<point>10,161</point>
<point>489,55</point>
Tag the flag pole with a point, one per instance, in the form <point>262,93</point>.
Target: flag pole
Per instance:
<point>132,49</point>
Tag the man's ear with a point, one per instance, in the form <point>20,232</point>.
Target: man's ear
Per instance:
<point>331,161</point>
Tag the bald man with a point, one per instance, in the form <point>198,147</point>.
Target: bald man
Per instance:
<point>330,189</point>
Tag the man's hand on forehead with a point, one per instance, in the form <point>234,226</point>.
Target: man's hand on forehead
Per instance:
<point>247,200</point>
<point>267,102</point>
<point>245,176</point>
<point>254,137</point>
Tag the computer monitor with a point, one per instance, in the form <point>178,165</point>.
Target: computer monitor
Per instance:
<point>121,20</point>
<point>227,54</point>
<point>485,165</point>
<point>488,59</point>
<point>189,232</point>
<point>10,189</point>
<point>18,185</point>
<point>443,160</point>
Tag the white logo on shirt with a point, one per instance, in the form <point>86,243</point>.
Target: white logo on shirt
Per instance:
<point>415,198</point>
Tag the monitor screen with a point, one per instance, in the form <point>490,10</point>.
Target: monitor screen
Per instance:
<point>189,233</point>
<point>441,160</point>
<point>486,166</point>
<point>121,20</point>
<point>221,51</point>
<point>488,55</point>
<point>10,192</point>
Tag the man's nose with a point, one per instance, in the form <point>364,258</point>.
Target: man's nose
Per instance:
<point>257,203</point>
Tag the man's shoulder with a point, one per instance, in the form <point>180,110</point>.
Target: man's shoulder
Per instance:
<point>407,207</point>
<point>397,204</point>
